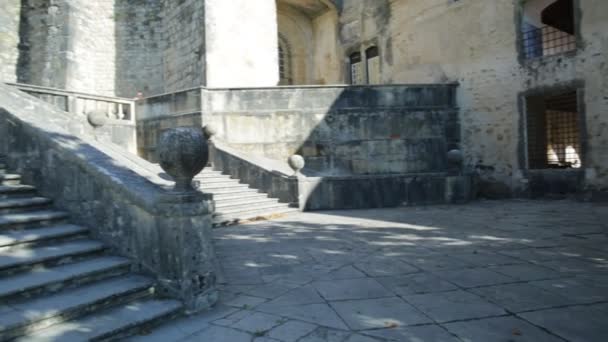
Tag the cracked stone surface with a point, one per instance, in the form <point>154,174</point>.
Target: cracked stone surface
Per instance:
<point>488,271</point>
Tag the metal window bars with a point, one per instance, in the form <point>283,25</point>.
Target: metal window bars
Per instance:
<point>546,41</point>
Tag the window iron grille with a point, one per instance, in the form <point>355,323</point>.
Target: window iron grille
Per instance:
<point>546,41</point>
<point>554,134</point>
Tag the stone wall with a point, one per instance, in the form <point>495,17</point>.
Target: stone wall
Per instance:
<point>139,46</point>
<point>183,44</point>
<point>68,44</point>
<point>9,39</point>
<point>475,43</point>
<point>341,130</point>
<point>242,43</point>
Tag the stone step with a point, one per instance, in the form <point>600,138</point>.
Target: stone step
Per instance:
<point>38,217</point>
<point>235,194</point>
<point>245,197</point>
<point>39,313</point>
<point>226,184</point>
<point>13,261</point>
<point>10,179</point>
<point>251,207</point>
<point>14,238</point>
<point>245,203</point>
<point>235,218</point>
<point>214,175</point>
<point>217,180</point>
<point>54,279</point>
<point>231,192</point>
<point>221,187</point>
<point>118,322</point>
<point>22,203</point>
<point>10,191</point>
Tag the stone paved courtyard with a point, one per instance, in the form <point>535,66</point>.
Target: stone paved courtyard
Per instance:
<point>489,271</point>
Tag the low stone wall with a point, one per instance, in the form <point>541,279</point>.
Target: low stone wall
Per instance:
<point>346,192</point>
<point>120,126</point>
<point>338,129</point>
<point>362,192</point>
<point>120,197</point>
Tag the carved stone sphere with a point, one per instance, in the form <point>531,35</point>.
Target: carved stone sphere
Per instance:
<point>455,157</point>
<point>183,153</point>
<point>97,118</point>
<point>209,130</point>
<point>296,162</point>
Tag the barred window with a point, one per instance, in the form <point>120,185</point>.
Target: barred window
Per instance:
<point>285,77</point>
<point>554,131</point>
<point>549,31</point>
<point>357,75</point>
<point>373,65</point>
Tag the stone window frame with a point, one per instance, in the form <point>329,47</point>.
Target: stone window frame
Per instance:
<point>579,87</point>
<point>519,19</point>
<point>362,49</point>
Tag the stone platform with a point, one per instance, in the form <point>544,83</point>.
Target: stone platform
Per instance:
<point>487,271</point>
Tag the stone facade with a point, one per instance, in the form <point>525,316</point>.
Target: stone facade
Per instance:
<point>139,46</point>
<point>120,47</point>
<point>9,39</point>
<point>68,44</point>
<point>183,44</point>
<point>475,43</point>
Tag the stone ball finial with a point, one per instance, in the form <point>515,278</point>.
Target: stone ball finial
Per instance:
<point>296,162</point>
<point>183,153</point>
<point>209,130</point>
<point>455,157</point>
<point>97,118</point>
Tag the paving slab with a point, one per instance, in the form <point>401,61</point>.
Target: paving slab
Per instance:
<point>578,291</point>
<point>454,306</point>
<point>416,284</point>
<point>527,272</point>
<point>423,333</point>
<point>474,277</point>
<point>320,314</point>
<point>258,323</point>
<point>575,324</point>
<point>378,313</point>
<point>385,266</point>
<point>364,288</point>
<point>291,331</point>
<point>326,335</point>
<point>245,302</point>
<point>184,327</point>
<point>499,329</point>
<point>219,334</point>
<point>521,297</point>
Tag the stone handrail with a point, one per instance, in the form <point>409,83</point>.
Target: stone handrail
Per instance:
<point>117,108</point>
<point>126,201</point>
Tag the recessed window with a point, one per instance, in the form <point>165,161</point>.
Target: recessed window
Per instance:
<point>554,131</point>
<point>373,65</point>
<point>548,28</point>
<point>357,76</point>
<point>284,62</point>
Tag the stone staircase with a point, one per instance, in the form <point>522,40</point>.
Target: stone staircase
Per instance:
<point>56,283</point>
<point>236,202</point>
